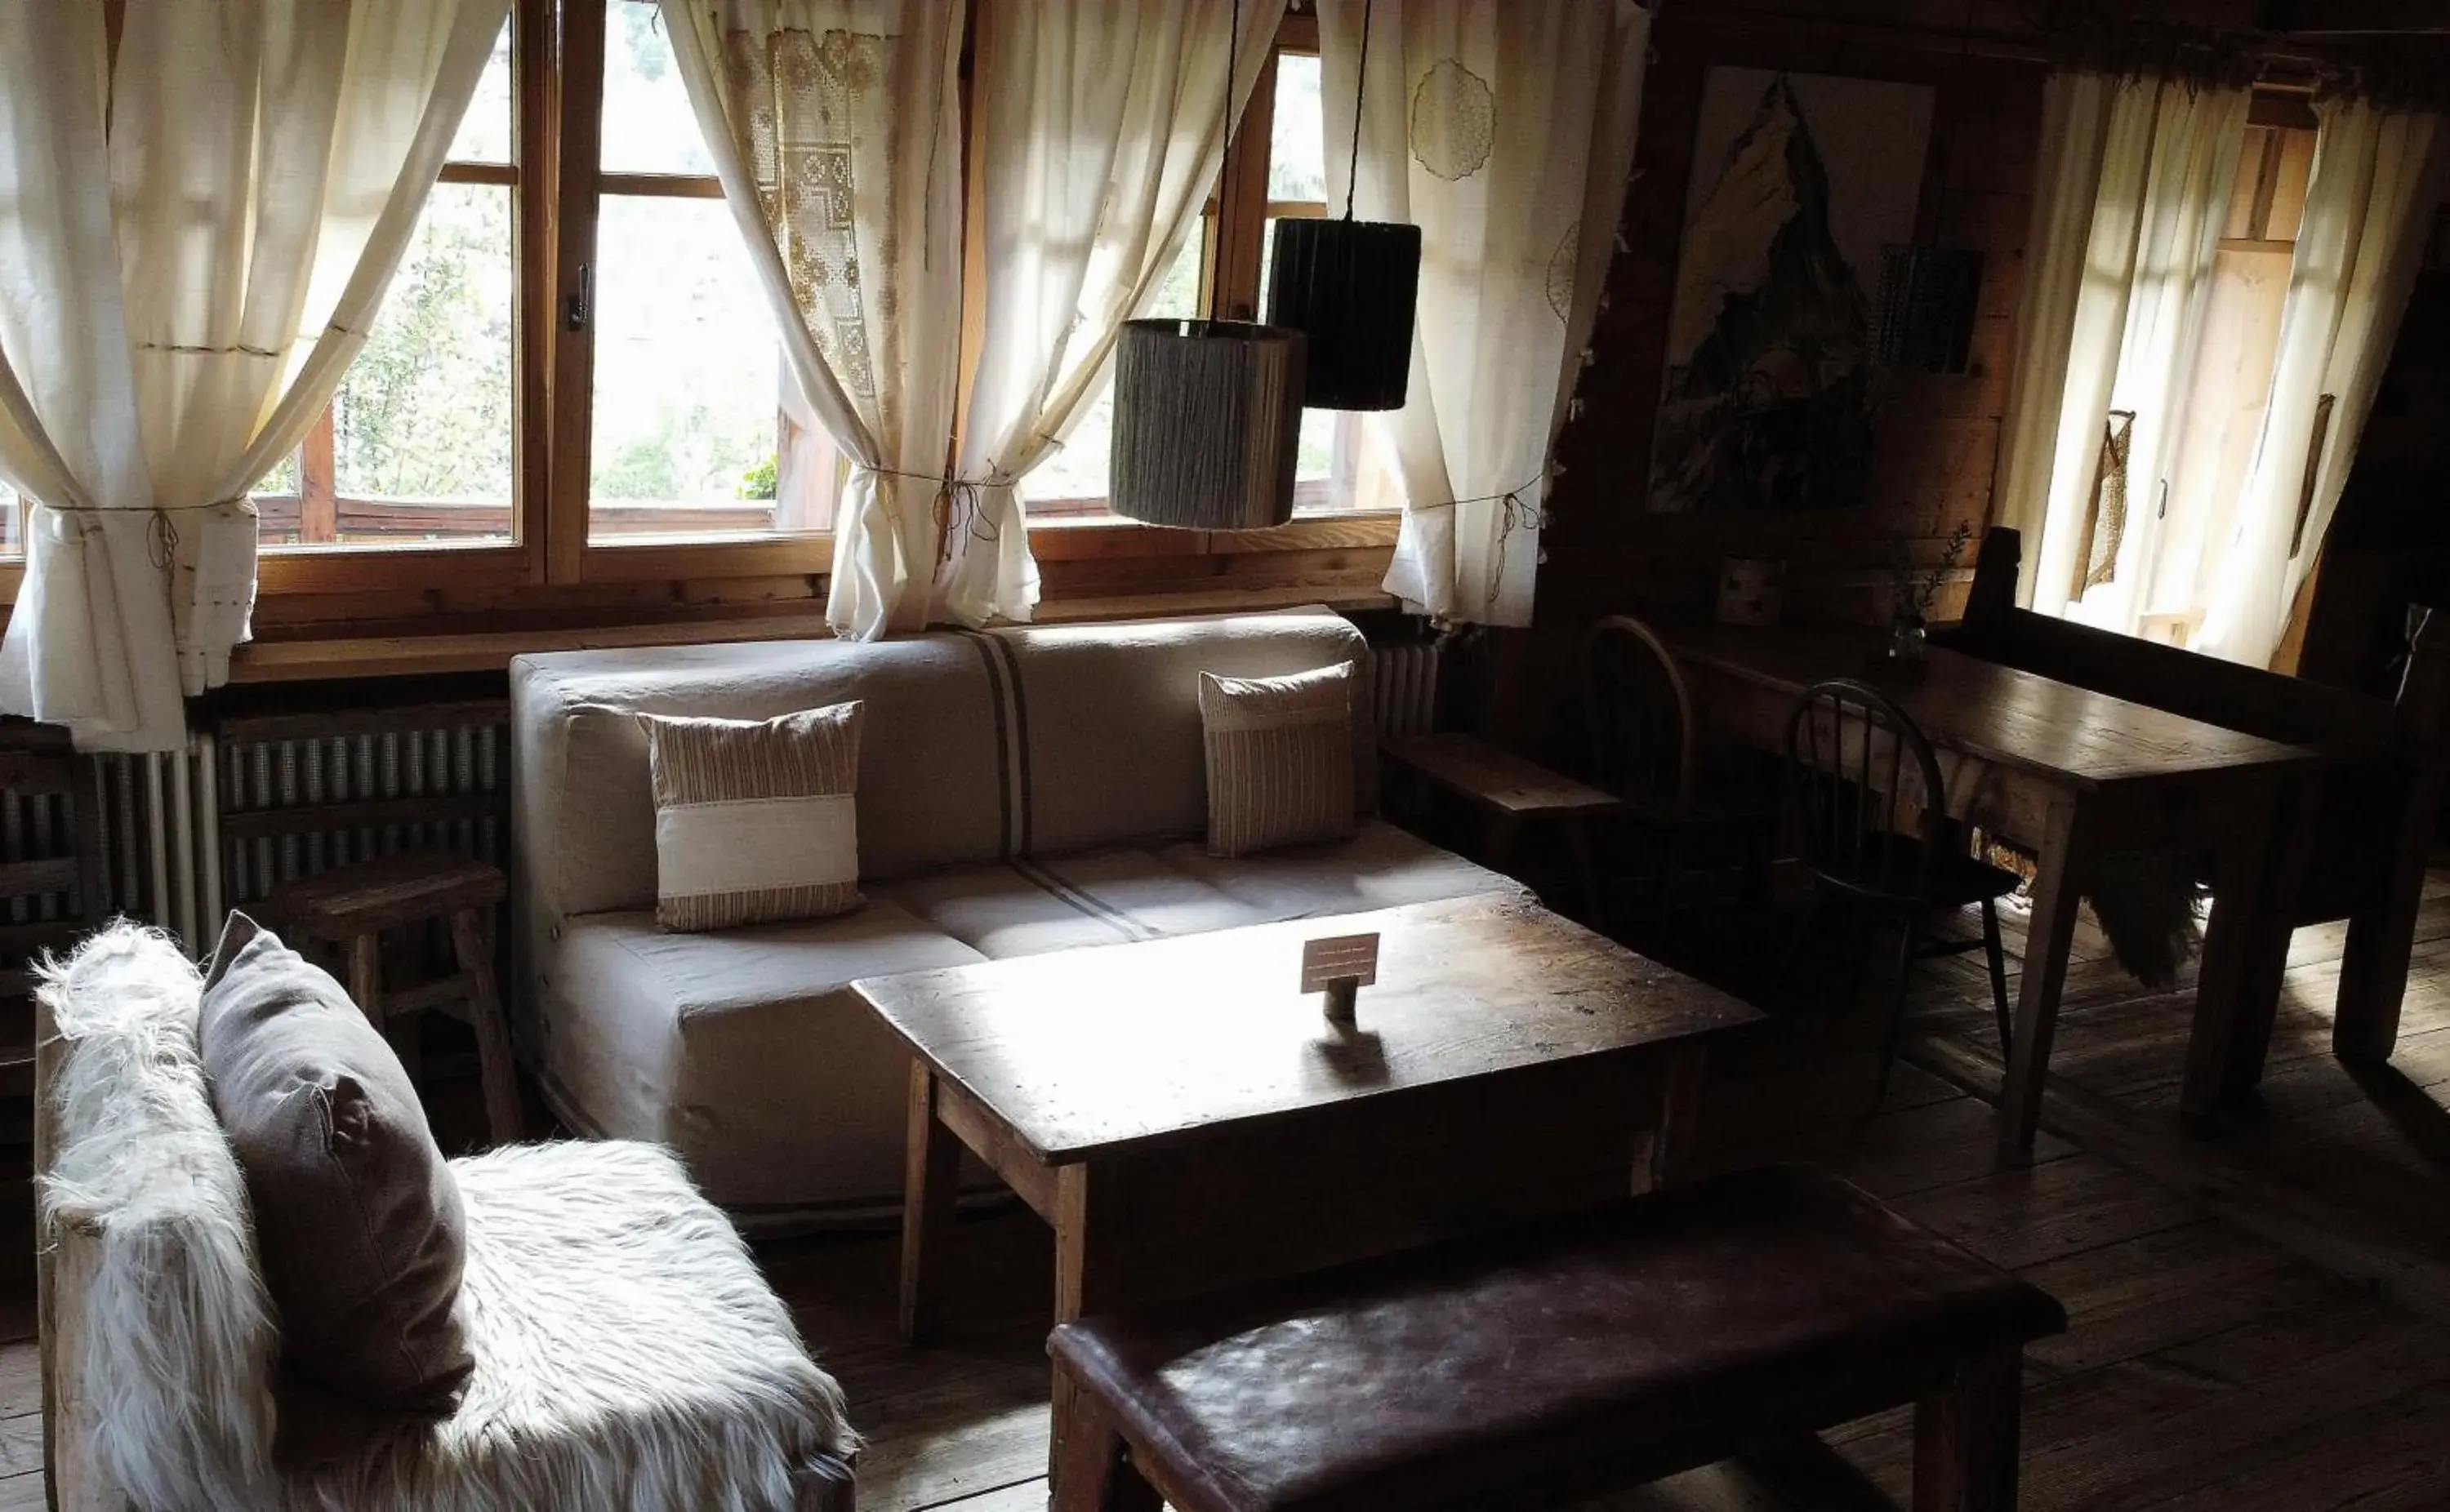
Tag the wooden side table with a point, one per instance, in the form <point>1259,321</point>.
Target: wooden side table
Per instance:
<point>349,908</point>
<point>1511,792</point>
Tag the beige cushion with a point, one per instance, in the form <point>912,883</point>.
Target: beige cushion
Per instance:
<point>746,1050</point>
<point>1381,866</point>
<point>357,1221</point>
<point>1279,759</point>
<point>756,822</point>
<point>1107,897</point>
<point>1107,719</point>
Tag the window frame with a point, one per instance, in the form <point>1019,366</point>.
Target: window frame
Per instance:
<point>550,566</point>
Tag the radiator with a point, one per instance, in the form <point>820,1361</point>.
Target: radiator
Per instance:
<point>1406,684</point>
<point>190,834</point>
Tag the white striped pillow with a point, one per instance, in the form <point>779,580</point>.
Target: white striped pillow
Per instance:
<point>1279,758</point>
<point>755,822</point>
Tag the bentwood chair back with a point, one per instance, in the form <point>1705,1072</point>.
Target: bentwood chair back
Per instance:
<point>1872,811</point>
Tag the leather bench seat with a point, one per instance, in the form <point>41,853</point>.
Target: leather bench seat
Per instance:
<point>1602,1350</point>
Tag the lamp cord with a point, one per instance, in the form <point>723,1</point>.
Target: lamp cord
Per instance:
<point>1232,66</point>
<point>1360,92</point>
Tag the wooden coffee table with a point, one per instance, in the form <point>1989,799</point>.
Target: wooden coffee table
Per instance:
<point>1187,1119</point>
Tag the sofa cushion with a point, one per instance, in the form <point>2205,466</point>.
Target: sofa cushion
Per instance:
<point>1279,759</point>
<point>746,1050</point>
<point>755,821</point>
<point>1108,718</point>
<point>929,758</point>
<point>1097,897</point>
<point>1381,866</point>
<point>357,1221</point>
<point>629,1355</point>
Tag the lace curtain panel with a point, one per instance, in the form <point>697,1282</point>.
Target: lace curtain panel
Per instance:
<point>1505,132</point>
<point>835,129</point>
<point>202,234</point>
<point>1103,131</point>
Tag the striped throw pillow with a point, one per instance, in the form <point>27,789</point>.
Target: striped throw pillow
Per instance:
<point>754,822</point>
<point>1279,758</point>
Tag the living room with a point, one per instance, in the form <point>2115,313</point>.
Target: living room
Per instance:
<point>964,754</point>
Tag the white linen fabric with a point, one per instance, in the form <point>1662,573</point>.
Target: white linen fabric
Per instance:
<point>200,230</point>
<point>2137,173</point>
<point>835,127</point>
<point>1505,132</point>
<point>1101,132</point>
<point>2376,177</point>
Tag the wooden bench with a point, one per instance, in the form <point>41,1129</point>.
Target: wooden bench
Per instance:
<point>1556,1361</point>
<point>2356,839</point>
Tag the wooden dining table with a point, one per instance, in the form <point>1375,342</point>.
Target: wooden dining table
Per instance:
<point>2077,778</point>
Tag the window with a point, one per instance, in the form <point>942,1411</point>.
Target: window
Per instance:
<point>2233,373</point>
<point>574,394</point>
<point>419,444</point>
<point>688,429</point>
<point>1287,178</point>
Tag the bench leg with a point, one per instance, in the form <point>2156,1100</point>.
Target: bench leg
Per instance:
<point>1093,1469</point>
<point>494,1067</point>
<point>1965,1437</point>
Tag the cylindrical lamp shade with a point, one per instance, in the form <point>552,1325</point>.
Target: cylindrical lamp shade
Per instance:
<point>1207,424</point>
<point>1350,286</point>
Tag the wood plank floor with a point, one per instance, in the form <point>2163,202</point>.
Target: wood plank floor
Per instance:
<point>2255,1317</point>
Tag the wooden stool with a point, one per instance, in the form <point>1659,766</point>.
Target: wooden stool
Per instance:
<point>1511,792</point>
<point>350,906</point>
<point>1535,1367</point>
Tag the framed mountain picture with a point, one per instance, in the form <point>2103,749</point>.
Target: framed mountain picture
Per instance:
<point>1799,180</point>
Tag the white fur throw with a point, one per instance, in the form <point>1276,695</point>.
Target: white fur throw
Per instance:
<point>178,1336</point>
<point>628,1354</point>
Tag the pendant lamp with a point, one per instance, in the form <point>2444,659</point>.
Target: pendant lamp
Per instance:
<point>1207,413</point>
<point>1350,286</point>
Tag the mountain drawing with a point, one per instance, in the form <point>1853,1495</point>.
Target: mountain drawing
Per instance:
<point>1767,402</point>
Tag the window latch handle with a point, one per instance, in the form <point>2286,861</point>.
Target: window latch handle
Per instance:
<point>578,304</point>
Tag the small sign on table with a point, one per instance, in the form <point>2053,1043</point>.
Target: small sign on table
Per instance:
<point>1340,966</point>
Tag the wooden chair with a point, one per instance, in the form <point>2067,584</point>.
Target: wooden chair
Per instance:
<point>350,907</point>
<point>1644,749</point>
<point>1874,820</point>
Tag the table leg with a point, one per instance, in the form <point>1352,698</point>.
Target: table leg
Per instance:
<point>2243,858</point>
<point>931,1184</point>
<point>2381,936</point>
<point>1663,1153</point>
<point>2242,1037</point>
<point>2058,882</point>
<point>1087,1278</point>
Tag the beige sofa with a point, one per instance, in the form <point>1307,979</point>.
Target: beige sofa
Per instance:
<point>1020,790</point>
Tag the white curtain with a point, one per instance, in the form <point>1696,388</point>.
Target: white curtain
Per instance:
<point>192,243</point>
<point>1103,129</point>
<point>835,127</point>
<point>2377,177</point>
<point>1505,132</point>
<point>2136,179</point>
